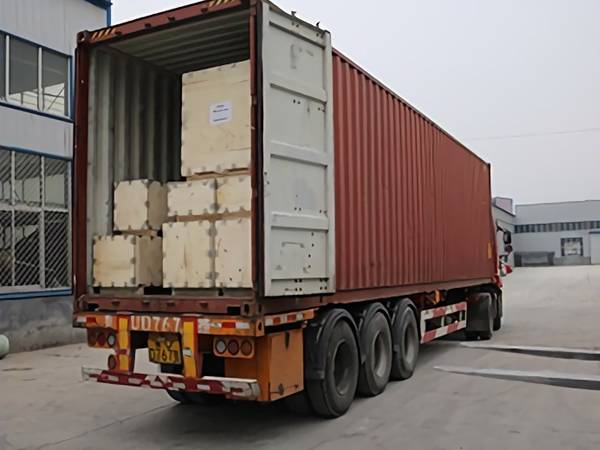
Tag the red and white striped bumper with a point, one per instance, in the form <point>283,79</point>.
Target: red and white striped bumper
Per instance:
<point>235,388</point>
<point>460,309</point>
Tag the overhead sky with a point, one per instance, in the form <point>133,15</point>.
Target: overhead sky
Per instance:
<point>518,81</point>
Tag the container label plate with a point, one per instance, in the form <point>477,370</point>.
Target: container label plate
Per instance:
<point>221,112</point>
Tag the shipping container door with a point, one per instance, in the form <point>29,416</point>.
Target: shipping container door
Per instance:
<point>298,182</point>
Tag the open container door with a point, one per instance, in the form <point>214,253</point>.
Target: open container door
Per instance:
<point>298,176</point>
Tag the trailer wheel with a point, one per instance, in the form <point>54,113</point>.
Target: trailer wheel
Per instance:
<point>489,307</point>
<point>376,347</point>
<point>331,392</point>
<point>298,404</point>
<point>405,335</point>
<point>481,315</point>
<point>499,313</point>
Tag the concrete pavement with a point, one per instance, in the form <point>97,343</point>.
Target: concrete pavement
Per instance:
<point>43,403</point>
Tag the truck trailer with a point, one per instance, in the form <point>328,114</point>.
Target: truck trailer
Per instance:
<point>369,228</point>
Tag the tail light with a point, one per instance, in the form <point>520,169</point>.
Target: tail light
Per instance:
<point>101,338</point>
<point>233,347</point>
<point>247,348</point>
<point>220,346</point>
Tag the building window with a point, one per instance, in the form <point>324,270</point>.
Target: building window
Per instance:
<point>35,237</point>
<point>28,177</point>
<point>38,78</point>
<point>571,246</point>
<point>23,74</point>
<point>55,82</point>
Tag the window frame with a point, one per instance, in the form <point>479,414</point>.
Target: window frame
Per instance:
<point>12,290</point>
<point>566,240</point>
<point>7,102</point>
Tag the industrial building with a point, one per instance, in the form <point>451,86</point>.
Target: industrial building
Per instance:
<point>37,45</point>
<point>557,233</point>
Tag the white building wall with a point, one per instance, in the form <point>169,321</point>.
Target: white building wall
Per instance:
<point>53,24</point>
<point>558,212</point>
<point>28,320</point>
<point>550,241</point>
<point>34,132</point>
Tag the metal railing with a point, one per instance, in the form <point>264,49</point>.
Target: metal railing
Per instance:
<point>35,230</point>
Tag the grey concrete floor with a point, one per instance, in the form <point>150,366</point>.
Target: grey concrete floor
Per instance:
<point>43,403</point>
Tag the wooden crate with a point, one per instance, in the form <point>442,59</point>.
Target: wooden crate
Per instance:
<point>187,255</point>
<point>192,198</point>
<point>139,205</point>
<point>127,261</point>
<point>233,253</point>
<point>234,194</point>
<point>216,119</point>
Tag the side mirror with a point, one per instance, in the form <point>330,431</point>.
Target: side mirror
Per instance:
<point>507,237</point>
<point>508,249</point>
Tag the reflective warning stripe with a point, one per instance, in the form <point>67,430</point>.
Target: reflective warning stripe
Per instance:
<point>282,319</point>
<point>443,311</point>
<point>206,325</point>
<point>429,336</point>
<point>239,388</point>
<point>458,323</point>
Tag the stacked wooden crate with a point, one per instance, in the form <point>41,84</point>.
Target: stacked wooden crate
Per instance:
<point>132,256</point>
<point>207,242</point>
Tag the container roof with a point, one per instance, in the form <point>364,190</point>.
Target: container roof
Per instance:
<point>196,45</point>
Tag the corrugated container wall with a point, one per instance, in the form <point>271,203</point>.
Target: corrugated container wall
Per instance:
<point>413,206</point>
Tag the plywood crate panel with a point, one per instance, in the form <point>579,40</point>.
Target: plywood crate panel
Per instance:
<point>187,255</point>
<point>139,205</point>
<point>233,253</point>
<point>216,125</point>
<point>234,194</point>
<point>192,198</point>
<point>127,261</point>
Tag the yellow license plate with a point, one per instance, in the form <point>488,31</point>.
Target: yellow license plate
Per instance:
<point>164,348</point>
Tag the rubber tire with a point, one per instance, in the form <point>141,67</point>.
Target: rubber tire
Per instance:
<point>324,395</point>
<point>498,318</point>
<point>471,335</point>
<point>298,404</point>
<point>491,311</point>
<point>405,355</point>
<point>180,397</point>
<point>376,337</point>
<point>196,398</point>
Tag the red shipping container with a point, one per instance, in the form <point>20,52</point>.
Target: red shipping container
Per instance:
<point>413,205</point>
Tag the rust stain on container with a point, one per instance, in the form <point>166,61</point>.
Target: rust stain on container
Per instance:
<point>413,206</point>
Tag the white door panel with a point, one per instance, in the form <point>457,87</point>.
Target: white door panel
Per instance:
<point>297,157</point>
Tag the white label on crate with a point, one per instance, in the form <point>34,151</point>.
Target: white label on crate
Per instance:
<point>220,113</point>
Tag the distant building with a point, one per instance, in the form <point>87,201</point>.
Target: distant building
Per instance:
<point>558,233</point>
<point>37,47</point>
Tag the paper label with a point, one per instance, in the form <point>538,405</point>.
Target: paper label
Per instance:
<point>220,113</point>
